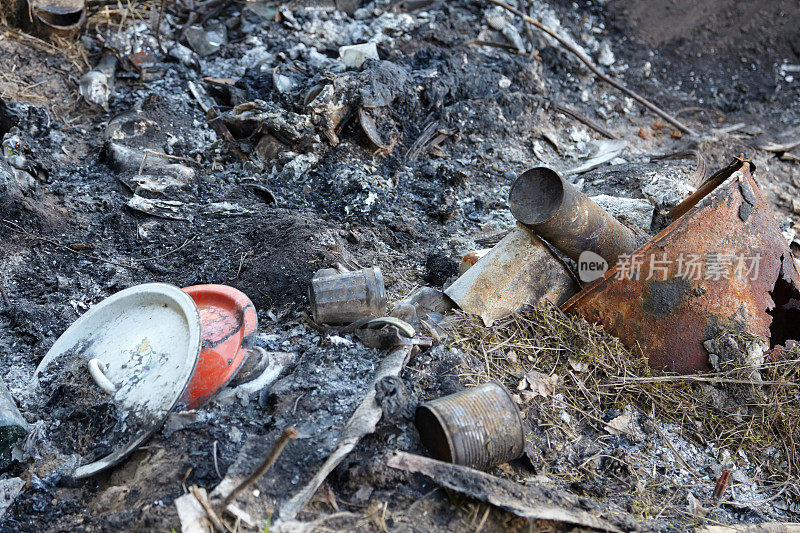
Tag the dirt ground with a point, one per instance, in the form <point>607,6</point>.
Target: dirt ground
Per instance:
<point>313,195</point>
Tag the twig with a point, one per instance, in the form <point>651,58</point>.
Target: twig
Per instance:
<point>586,120</point>
<point>586,60</point>
<point>6,301</point>
<point>216,464</point>
<point>483,520</point>
<point>144,159</point>
<point>168,156</point>
<point>677,455</point>
<point>313,325</point>
<point>528,29</point>
<point>505,46</point>
<point>709,379</point>
<point>165,254</point>
<point>202,499</point>
<point>158,23</point>
<point>286,435</point>
<point>19,229</point>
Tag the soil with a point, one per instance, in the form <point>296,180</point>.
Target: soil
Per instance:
<point>81,418</point>
<point>319,195</point>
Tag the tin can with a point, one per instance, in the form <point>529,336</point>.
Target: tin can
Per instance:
<point>479,427</point>
<point>344,297</point>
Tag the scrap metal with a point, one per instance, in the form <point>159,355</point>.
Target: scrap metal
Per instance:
<point>666,314</point>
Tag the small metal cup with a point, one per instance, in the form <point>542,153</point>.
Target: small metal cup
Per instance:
<point>479,427</point>
<point>344,297</point>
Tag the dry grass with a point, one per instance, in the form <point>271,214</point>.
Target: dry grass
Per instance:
<point>737,407</point>
<point>117,14</point>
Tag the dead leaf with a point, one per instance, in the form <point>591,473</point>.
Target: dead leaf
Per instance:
<point>535,384</point>
<point>623,424</point>
<point>578,366</point>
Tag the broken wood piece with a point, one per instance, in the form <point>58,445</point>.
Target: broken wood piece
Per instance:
<point>766,527</point>
<point>585,120</point>
<point>287,435</point>
<point>784,147</point>
<point>586,60</point>
<point>531,502</point>
<point>201,497</point>
<point>361,423</point>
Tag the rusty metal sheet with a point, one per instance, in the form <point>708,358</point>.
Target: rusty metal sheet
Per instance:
<point>667,313</point>
<point>520,270</point>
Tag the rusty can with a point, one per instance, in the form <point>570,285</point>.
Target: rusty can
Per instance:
<point>344,297</point>
<point>479,427</point>
<point>566,218</point>
<point>55,17</point>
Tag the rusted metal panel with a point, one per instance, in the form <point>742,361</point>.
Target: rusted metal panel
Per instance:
<point>566,218</point>
<point>666,314</point>
<point>520,270</point>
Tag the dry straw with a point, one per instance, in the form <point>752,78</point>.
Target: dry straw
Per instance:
<point>744,405</point>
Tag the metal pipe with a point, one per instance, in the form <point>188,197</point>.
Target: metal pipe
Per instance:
<point>567,218</point>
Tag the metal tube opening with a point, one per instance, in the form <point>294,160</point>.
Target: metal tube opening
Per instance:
<point>432,434</point>
<point>536,195</point>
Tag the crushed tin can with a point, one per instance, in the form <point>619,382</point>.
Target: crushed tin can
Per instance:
<point>344,297</point>
<point>722,266</point>
<point>566,218</point>
<point>479,427</point>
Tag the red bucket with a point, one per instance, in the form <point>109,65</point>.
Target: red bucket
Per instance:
<point>228,324</point>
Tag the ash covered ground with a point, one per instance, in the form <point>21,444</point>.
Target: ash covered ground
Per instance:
<point>84,216</point>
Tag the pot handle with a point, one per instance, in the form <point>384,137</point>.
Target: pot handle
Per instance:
<point>97,369</point>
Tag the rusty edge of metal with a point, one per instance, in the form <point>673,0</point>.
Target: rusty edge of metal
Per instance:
<point>686,353</point>
<point>690,204</point>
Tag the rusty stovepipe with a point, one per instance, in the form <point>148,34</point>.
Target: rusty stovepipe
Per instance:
<point>567,218</point>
